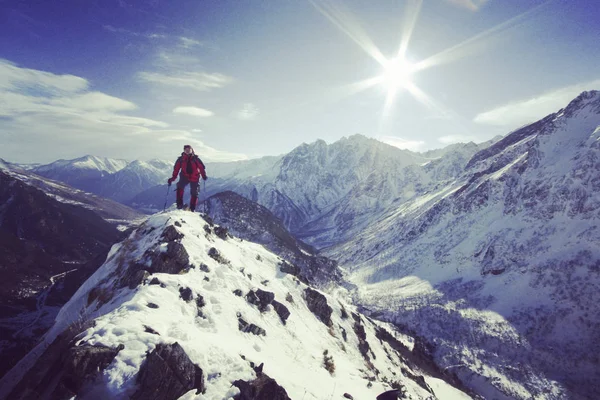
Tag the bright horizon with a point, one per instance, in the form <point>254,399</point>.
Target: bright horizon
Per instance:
<point>131,81</point>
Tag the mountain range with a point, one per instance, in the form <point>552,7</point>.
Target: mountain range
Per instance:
<point>485,254</point>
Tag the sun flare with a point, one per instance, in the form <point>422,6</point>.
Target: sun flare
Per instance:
<point>397,74</point>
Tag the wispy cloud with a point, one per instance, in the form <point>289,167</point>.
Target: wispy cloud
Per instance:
<point>412,145</point>
<point>56,116</point>
<point>194,111</point>
<point>248,112</point>
<point>522,112</point>
<point>201,81</point>
<point>15,78</point>
<point>473,5</point>
<point>123,31</point>
<point>187,43</point>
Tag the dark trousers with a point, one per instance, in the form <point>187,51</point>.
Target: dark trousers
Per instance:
<point>195,190</point>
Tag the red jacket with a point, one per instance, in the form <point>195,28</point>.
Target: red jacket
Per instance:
<point>190,166</point>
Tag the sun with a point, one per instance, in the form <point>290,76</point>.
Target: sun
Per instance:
<point>397,74</point>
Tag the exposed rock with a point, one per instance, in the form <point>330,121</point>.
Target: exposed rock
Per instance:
<point>252,298</point>
<point>221,232</point>
<point>204,268</point>
<point>363,345</point>
<point>167,374</point>
<point>152,305</point>
<point>186,294</point>
<point>155,281</point>
<point>261,388</point>
<point>216,255</point>
<point>171,234</point>
<point>82,364</point>
<point>281,310</point>
<point>348,396</point>
<point>148,329</point>
<point>389,395</point>
<point>251,328</point>
<point>172,261</point>
<point>134,276</point>
<point>317,303</point>
<point>200,301</point>
<point>45,375</point>
<point>238,292</point>
<point>288,268</point>
<point>260,298</point>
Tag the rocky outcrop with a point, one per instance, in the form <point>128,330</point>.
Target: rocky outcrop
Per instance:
<point>167,374</point>
<point>261,388</point>
<point>260,298</point>
<point>281,310</point>
<point>250,328</point>
<point>317,303</point>
<point>64,369</point>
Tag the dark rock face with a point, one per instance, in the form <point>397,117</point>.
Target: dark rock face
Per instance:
<point>171,234</point>
<point>173,261</point>
<point>262,388</point>
<point>149,329</point>
<point>167,374</point>
<point>389,395</point>
<point>83,363</point>
<point>288,268</point>
<point>363,345</point>
<point>134,276</point>
<point>63,368</point>
<point>317,303</point>
<point>215,255</point>
<point>204,268</point>
<point>260,298</point>
<point>155,281</point>
<point>186,294</point>
<point>221,232</point>
<point>281,310</point>
<point>40,238</point>
<point>250,328</point>
<point>238,292</point>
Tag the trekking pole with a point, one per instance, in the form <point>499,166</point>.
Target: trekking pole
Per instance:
<point>167,196</point>
<point>204,196</point>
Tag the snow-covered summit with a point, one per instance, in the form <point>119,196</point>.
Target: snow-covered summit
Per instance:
<point>183,310</point>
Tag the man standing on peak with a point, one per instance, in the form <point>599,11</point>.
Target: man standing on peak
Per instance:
<point>191,168</point>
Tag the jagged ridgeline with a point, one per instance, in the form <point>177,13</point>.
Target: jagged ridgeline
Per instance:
<point>182,309</point>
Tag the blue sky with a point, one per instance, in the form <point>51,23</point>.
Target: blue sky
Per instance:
<point>238,79</point>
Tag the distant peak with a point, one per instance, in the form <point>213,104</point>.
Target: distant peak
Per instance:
<point>591,97</point>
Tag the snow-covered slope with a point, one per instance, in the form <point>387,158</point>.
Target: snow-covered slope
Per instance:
<point>136,177</point>
<point>251,221</point>
<point>499,270</point>
<point>179,312</point>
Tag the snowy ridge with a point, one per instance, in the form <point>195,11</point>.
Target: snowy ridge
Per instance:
<point>109,210</point>
<point>226,303</point>
<point>499,269</point>
<point>87,162</point>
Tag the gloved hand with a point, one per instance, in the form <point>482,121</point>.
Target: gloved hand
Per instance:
<point>170,181</point>
<point>204,177</point>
